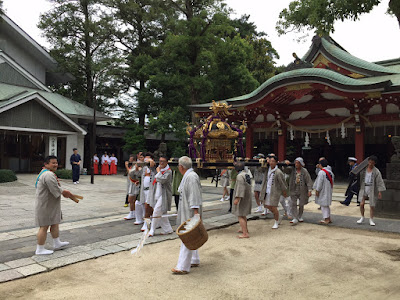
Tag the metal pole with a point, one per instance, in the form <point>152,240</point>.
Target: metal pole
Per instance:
<point>93,143</point>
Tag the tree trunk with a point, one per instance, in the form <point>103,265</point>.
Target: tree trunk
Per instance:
<point>394,6</point>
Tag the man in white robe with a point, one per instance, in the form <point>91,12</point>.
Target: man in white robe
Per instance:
<point>147,174</point>
<point>190,203</point>
<point>134,187</point>
<point>323,186</point>
<point>48,206</point>
<point>162,186</point>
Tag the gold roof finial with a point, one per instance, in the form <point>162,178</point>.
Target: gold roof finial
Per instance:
<point>220,109</point>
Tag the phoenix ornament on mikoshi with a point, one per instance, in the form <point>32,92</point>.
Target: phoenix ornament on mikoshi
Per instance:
<point>215,139</point>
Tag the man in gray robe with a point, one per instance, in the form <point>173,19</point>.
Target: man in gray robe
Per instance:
<point>243,198</point>
<point>190,203</point>
<point>48,206</point>
<point>273,187</point>
<point>323,186</point>
<point>162,190</point>
<point>371,186</point>
<point>300,188</point>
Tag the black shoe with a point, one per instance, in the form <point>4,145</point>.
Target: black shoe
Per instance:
<point>344,203</point>
<point>358,204</point>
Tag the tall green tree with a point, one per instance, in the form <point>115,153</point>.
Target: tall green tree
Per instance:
<point>141,27</point>
<point>207,56</point>
<point>80,32</point>
<point>320,15</point>
<point>261,64</point>
<point>187,52</point>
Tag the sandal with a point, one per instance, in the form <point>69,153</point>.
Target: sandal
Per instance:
<point>243,237</point>
<point>194,265</point>
<point>179,272</point>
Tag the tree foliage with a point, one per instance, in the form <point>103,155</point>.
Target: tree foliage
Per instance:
<point>79,32</point>
<point>153,58</point>
<point>320,15</point>
<point>140,28</point>
<point>134,138</point>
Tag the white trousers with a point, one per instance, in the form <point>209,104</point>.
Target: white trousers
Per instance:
<point>187,258</point>
<point>146,196</point>
<point>286,208</point>
<point>157,221</point>
<point>139,211</point>
<point>326,211</point>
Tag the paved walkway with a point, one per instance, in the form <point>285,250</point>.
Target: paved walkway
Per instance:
<point>95,226</point>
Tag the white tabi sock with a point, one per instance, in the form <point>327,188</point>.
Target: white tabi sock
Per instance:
<point>58,244</point>
<point>276,225</point>
<point>40,250</point>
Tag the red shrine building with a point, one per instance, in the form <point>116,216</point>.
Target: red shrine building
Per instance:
<point>329,103</point>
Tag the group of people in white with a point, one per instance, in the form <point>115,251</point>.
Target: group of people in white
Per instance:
<point>291,186</point>
<point>149,189</point>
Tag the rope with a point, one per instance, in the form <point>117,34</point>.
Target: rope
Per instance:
<point>319,130</point>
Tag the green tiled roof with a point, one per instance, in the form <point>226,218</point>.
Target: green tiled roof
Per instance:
<point>12,93</point>
<point>395,79</point>
<point>309,75</point>
<point>309,72</point>
<point>352,60</point>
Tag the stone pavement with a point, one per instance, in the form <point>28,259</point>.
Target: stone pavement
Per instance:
<point>95,226</point>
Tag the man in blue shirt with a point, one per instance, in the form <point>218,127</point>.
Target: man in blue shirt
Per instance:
<point>75,162</point>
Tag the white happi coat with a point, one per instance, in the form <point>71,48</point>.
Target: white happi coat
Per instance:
<point>189,196</point>
<point>377,186</point>
<point>142,173</point>
<point>324,187</point>
<point>166,190</point>
<point>48,200</point>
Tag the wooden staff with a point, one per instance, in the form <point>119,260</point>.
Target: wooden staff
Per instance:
<point>76,198</point>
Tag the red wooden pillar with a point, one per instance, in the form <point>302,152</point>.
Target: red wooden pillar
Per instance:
<point>282,143</point>
<point>360,144</point>
<point>249,141</point>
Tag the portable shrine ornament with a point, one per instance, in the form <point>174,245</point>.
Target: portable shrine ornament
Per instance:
<point>215,139</point>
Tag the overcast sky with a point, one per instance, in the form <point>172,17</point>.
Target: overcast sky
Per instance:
<point>375,37</point>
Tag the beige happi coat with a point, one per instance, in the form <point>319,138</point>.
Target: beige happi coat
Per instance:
<point>48,200</point>
<point>305,184</point>
<point>377,186</point>
<point>242,191</point>
<point>278,187</point>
